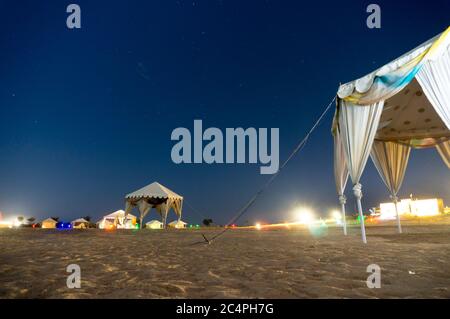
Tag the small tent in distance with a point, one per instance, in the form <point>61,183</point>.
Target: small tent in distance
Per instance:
<point>154,224</point>
<point>178,224</point>
<point>80,223</point>
<point>117,220</point>
<point>48,223</point>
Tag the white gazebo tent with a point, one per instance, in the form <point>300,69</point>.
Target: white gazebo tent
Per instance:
<point>404,104</point>
<point>155,196</point>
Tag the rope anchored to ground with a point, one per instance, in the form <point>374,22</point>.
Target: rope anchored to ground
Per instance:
<point>253,199</point>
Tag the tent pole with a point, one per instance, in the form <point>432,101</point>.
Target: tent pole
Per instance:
<point>399,226</point>
<point>343,200</point>
<point>165,220</point>
<point>358,194</point>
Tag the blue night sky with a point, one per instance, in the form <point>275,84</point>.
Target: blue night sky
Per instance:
<point>86,115</point>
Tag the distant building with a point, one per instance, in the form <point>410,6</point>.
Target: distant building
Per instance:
<point>413,207</point>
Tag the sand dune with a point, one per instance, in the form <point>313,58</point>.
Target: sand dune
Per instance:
<point>241,264</point>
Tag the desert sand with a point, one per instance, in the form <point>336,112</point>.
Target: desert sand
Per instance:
<point>240,264</point>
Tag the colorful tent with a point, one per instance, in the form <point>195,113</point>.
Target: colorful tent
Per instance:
<point>404,104</point>
<point>155,196</point>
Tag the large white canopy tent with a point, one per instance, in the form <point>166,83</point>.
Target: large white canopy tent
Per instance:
<point>404,104</point>
<point>155,196</point>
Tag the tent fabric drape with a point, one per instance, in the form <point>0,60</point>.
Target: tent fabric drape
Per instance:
<point>340,165</point>
<point>391,159</point>
<point>163,210</point>
<point>358,126</point>
<point>177,207</point>
<point>391,78</point>
<point>340,174</point>
<point>444,150</point>
<point>128,207</point>
<point>144,208</point>
<point>434,78</point>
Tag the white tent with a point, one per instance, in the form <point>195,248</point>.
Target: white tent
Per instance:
<point>117,220</point>
<point>404,104</point>
<point>155,196</point>
<point>178,224</point>
<point>80,223</point>
<point>154,224</point>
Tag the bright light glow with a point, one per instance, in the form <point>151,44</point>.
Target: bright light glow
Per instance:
<point>336,215</point>
<point>258,226</point>
<point>6,224</point>
<point>419,208</point>
<point>16,223</point>
<point>305,216</point>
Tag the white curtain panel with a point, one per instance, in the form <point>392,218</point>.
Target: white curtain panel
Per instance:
<point>168,205</point>
<point>358,126</point>
<point>340,165</point>
<point>340,174</point>
<point>177,206</point>
<point>144,208</point>
<point>128,207</point>
<point>434,78</point>
<point>180,209</point>
<point>444,151</point>
<point>391,160</point>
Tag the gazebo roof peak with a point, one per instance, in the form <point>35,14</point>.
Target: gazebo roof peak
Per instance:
<point>155,190</point>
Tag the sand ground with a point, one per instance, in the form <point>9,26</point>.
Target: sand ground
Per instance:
<point>241,264</point>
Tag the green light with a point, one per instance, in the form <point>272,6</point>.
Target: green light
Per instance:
<point>137,226</point>
<point>359,219</point>
<point>197,226</point>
